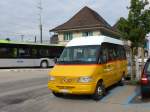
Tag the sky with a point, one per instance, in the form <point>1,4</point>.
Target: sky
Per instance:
<point>21,17</point>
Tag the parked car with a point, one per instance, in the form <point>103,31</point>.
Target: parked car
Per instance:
<point>145,79</point>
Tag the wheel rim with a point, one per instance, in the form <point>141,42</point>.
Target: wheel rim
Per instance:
<point>44,64</point>
<point>123,79</point>
<point>100,91</point>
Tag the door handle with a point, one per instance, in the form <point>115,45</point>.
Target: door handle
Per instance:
<point>109,67</point>
<point>106,70</point>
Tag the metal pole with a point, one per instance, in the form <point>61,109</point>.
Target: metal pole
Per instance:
<point>40,25</point>
<point>41,35</point>
<point>35,39</point>
<point>22,38</point>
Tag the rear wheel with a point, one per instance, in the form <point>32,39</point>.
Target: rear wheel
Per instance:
<point>44,64</point>
<point>99,91</point>
<point>143,95</point>
<point>121,82</point>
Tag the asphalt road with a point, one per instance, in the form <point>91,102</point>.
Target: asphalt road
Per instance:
<point>26,91</point>
<point>20,85</point>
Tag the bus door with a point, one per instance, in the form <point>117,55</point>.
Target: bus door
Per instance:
<point>107,67</point>
<point>114,63</point>
<point>111,65</point>
<point>121,64</point>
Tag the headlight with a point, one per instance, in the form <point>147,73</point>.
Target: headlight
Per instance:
<point>51,78</point>
<point>85,79</point>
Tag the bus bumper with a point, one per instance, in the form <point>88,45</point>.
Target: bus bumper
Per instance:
<point>72,89</point>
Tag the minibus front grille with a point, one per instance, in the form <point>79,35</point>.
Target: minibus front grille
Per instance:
<point>66,80</point>
<point>65,87</point>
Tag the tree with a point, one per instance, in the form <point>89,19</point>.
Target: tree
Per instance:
<point>137,25</point>
<point>139,21</point>
<point>8,39</point>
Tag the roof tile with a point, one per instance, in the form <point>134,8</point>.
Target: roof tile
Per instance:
<point>85,18</point>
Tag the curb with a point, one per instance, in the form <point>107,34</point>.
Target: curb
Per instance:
<point>22,70</point>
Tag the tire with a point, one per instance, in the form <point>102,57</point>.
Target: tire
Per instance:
<point>143,94</point>
<point>121,82</point>
<point>99,91</point>
<point>57,94</point>
<point>44,64</point>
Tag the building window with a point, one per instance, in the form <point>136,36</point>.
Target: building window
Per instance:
<point>85,34</point>
<point>68,36</point>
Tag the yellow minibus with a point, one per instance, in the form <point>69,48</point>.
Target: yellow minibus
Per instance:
<point>89,65</point>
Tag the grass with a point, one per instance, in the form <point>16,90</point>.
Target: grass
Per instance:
<point>134,82</point>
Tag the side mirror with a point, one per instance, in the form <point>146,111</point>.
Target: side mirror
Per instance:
<point>55,59</point>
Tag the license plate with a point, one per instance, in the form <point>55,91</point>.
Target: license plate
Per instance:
<point>64,90</point>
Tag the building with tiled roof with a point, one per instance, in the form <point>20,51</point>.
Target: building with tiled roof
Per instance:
<point>86,22</point>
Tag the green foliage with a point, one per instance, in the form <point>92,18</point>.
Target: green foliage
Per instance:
<point>137,25</point>
<point>134,82</point>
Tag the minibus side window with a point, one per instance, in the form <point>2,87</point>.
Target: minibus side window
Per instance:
<point>124,53</point>
<point>118,52</point>
<point>114,54</point>
<point>121,52</point>
<point>104,57</point>
<point>115,49</point>
<point>111,52</point>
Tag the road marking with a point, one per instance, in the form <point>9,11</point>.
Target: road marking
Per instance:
<point>135,93</point>
<point>14,92</point>
<point>111,93</point>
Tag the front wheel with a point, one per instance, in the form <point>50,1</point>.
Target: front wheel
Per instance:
<point>99,91</point>
<point>57,94</point>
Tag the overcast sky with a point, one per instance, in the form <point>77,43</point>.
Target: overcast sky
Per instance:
<point>19,17</point>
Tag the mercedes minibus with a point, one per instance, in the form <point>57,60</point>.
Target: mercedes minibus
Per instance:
<point>89,65</point>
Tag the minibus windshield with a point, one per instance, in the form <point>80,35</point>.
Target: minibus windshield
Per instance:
<point>79,55</point>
